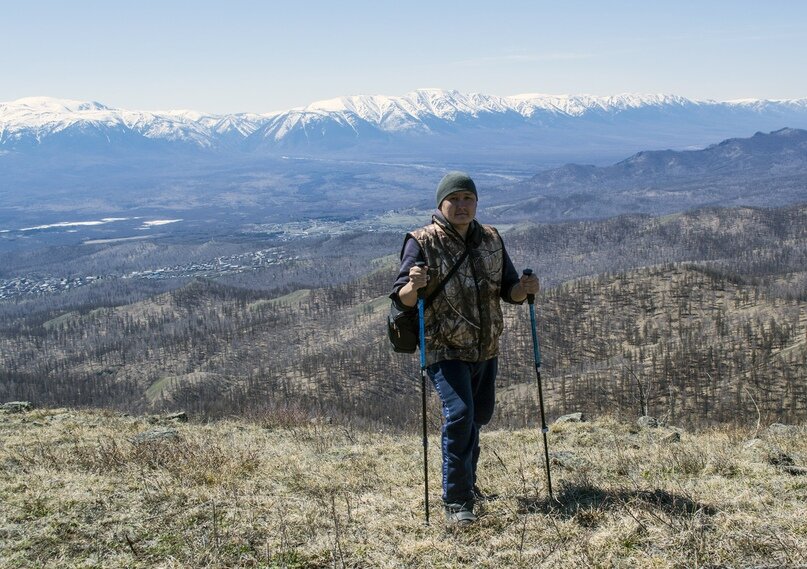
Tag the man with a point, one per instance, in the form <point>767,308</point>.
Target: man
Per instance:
<point>462,324</point>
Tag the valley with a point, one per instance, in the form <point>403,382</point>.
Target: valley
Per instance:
<point>703,313</point>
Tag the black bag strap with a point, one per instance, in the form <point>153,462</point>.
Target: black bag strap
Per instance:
<point>428,300</point>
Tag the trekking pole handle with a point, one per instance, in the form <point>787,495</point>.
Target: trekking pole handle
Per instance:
<point>421,291</point>
<point>530,297</point>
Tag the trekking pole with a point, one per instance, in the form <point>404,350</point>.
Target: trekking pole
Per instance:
<point>537,353</point>
<point>422,338</point>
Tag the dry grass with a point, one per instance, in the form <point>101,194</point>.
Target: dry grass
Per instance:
<point>78,492</point>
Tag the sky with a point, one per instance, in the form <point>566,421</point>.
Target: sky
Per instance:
<point>250,56</point>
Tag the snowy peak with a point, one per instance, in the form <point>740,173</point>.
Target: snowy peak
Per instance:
<point>417,105</point>
<point>33,119</point>
<point>579,105</point>
<point>48,111</point>
<point>419,109</point>
<point>51,105</point>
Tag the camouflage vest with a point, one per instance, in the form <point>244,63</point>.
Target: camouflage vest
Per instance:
<point>464,321</point>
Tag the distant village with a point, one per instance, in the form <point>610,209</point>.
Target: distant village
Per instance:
<point>25,286</point>
<point>32,285</point>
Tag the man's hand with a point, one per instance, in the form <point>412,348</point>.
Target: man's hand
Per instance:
<point>418,276</point>
<point>527,284</point>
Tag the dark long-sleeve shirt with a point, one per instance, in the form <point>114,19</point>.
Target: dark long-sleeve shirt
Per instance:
<point>412,254</point>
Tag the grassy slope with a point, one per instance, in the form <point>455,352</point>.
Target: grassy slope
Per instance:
<point>286,492</point>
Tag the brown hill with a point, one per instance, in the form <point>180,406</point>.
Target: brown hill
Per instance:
<point>674,340</point>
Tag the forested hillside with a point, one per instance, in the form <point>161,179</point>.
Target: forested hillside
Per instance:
<point>700,317</point>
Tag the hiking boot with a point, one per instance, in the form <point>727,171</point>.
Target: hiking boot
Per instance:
<point>460,514</point>
<point>480,496</point>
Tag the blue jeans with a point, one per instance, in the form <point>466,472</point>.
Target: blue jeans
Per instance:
<point>467,391</point>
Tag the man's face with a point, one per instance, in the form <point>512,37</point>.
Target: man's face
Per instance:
<point>459,208</point>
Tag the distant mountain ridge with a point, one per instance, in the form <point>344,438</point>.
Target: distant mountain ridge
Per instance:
<point>410,124</point>
<point>777,153</point>
<point>767,169</point>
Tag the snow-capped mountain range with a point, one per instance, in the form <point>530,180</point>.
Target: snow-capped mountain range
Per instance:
<point>419,117</point>
<point>344,157</point>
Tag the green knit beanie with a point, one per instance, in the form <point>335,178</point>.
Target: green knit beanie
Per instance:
<point>454,182</point>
